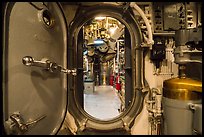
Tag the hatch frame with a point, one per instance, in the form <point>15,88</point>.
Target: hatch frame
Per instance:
<point>86,122</point>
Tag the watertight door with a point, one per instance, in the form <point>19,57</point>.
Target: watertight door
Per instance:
<point>34,98</point>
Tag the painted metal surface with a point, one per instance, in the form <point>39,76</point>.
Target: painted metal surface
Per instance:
<point>178,117</point>
<point>33,91</point>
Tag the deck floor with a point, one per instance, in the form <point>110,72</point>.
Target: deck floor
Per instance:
<point>103,103</point>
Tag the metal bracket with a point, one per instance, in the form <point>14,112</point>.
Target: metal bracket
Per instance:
<point>145,89</point>
<point>192,106</point>
<point>83,125</point>
<point>145,45</point>
<point>70,71</point>
<point>125,8</point>
<point>125,125</point>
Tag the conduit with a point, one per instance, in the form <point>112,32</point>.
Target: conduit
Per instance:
<point>136,9</point>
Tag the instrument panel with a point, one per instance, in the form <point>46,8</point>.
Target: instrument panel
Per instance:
<point>167,17</point>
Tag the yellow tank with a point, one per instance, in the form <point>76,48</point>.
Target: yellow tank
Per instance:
<point>182,88</point>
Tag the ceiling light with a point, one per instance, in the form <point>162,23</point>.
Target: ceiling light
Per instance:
<point>100,18</point>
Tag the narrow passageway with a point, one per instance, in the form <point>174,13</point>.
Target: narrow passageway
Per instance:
<point>103,103</point>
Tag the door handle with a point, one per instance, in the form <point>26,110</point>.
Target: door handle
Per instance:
<point>17,125</point>
<point>47,65</point>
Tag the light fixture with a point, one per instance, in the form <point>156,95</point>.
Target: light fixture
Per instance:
<point>98,41</point>
<point>112,30</point>
<point>100,18</point>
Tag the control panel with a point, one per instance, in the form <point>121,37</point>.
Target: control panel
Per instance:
<point>171,16</point>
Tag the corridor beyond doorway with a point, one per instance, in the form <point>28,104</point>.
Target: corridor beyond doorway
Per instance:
<point>103,103</point>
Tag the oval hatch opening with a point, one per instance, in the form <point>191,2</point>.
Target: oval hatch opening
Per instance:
<point>104,73</point>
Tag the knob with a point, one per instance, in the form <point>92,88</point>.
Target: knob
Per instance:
<point>27,60</point>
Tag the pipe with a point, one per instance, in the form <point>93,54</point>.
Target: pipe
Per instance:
<point>135,7</point>
<point>158,129</point>
<point>155,111</point>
